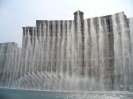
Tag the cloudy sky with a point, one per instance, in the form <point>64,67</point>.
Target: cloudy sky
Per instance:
<point>15,14</point>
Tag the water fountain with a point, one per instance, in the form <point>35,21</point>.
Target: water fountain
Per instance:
<point>69,60</point>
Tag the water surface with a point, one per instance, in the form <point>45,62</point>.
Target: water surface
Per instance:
<point>23,94</point>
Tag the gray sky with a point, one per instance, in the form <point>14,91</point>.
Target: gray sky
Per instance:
<point>15,14</point>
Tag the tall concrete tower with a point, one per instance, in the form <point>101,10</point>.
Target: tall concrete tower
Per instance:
<point>79,30</point>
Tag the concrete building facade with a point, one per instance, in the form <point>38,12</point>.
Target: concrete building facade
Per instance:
<point>92,43</point>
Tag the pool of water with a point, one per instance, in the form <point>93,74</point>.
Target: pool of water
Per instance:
<point>24,94</point>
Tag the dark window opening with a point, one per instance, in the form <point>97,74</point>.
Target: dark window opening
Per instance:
<point>56,26</point>
<point>108,22</point>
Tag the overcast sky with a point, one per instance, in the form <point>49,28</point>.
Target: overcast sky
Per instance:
<point>15,14</point>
